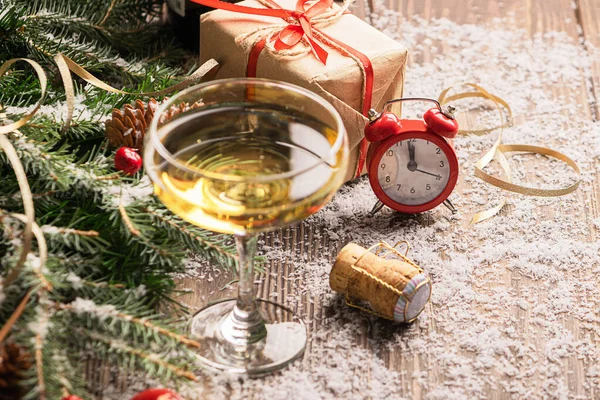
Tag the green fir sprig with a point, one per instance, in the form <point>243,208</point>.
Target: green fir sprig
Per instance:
<point>112,248</point>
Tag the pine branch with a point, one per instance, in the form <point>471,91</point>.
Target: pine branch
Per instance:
<point>39,367</point>
<point>213,246</point>
<point>83,241</point>
<point>19,89</point>
<point>91,33</point>
<point>67,378</point>
<point>152,363</point>
<point>119,260</point>
<point>143,327</point>
<point>45,129</point>
<point>39,327</point>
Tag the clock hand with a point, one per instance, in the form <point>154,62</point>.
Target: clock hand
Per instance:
<point>412,164</point>
<point>428,173</point>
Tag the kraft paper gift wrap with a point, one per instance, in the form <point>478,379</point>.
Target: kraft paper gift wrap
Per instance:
<point>340,81</point>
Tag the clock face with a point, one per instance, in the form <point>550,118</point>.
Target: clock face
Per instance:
<point>413,171</point>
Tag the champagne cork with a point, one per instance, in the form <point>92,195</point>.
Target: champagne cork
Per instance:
<point>394,288</point>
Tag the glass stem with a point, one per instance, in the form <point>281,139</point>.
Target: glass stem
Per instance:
<point>246,247</point>
<point>244,329</point>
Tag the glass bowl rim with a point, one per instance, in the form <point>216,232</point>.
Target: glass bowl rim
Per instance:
<point>168,157</point>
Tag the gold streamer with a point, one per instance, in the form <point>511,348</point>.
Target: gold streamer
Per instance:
<point>482,93</point>
<point>14,317</point>
<point>498,151</point>
<point>43,85</point>
<point>27,199</point>
<point>66,66</point>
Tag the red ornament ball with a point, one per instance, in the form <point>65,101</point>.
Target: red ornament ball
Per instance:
<point>128,160</point>
<point>157,394</point>
<point>72,397</point>
<point>386,125</point>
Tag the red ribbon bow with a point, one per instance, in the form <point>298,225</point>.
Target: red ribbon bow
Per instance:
<point>292,34</point>
<point>300,26</point>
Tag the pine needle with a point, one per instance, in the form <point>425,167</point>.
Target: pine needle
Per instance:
<point>146,323</point>
<point>127,221</point>
<point>152,358</point>
<point>39,367</point>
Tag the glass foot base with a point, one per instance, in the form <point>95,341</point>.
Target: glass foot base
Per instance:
<point>285,340</point>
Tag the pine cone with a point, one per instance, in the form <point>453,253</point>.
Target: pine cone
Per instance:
<point>128,127</point>
<point>14,362</point>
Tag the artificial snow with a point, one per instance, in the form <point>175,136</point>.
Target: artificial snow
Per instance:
<point>50,229</point>
<point>41,324</point>
<point>81,306</point>
<point>128,194</point>
<point>57,111</point>
<point>74,280</point>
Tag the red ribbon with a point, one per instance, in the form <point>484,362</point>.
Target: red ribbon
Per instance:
<point>301,27</point>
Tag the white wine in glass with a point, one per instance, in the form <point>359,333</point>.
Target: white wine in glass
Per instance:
<point>246,156</point>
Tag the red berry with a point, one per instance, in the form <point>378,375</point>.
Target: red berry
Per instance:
<point>72,397</point>
<point>128,160</point>
<point>157,394</point>
<point>438,122</point>
<point>386,125</point>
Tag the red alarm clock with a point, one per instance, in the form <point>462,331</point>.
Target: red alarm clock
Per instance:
<point>411,163</point>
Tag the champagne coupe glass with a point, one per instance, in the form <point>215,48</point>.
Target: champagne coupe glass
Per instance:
<point>244,156</point>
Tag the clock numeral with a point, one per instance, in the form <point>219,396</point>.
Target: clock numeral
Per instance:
<point>438,151</point>
<point>382,166</point>
<point>387,178</point>
<point>413,140</point>
<point>441,164</point>
<point>438,178</point>
<point>428,187</point>
<point>412,190</point>
<point>390,153</point>
<point>398,186</point>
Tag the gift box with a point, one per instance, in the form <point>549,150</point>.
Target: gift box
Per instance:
<point>236,40</point>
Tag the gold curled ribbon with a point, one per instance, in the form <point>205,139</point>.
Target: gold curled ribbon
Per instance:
<point>498,151</point>
<point>13,158</point>
<point>43,85</point>
<point>66,66</point>
<point>481,93</point>
<point>27,199</point>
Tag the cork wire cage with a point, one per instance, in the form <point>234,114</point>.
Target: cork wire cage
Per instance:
<point>395,287</point>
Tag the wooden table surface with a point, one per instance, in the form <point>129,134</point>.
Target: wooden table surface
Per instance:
<point>580,19</point>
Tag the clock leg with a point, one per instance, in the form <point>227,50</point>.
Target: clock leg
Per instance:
<point>450,206</point>
<point>378,206</point>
